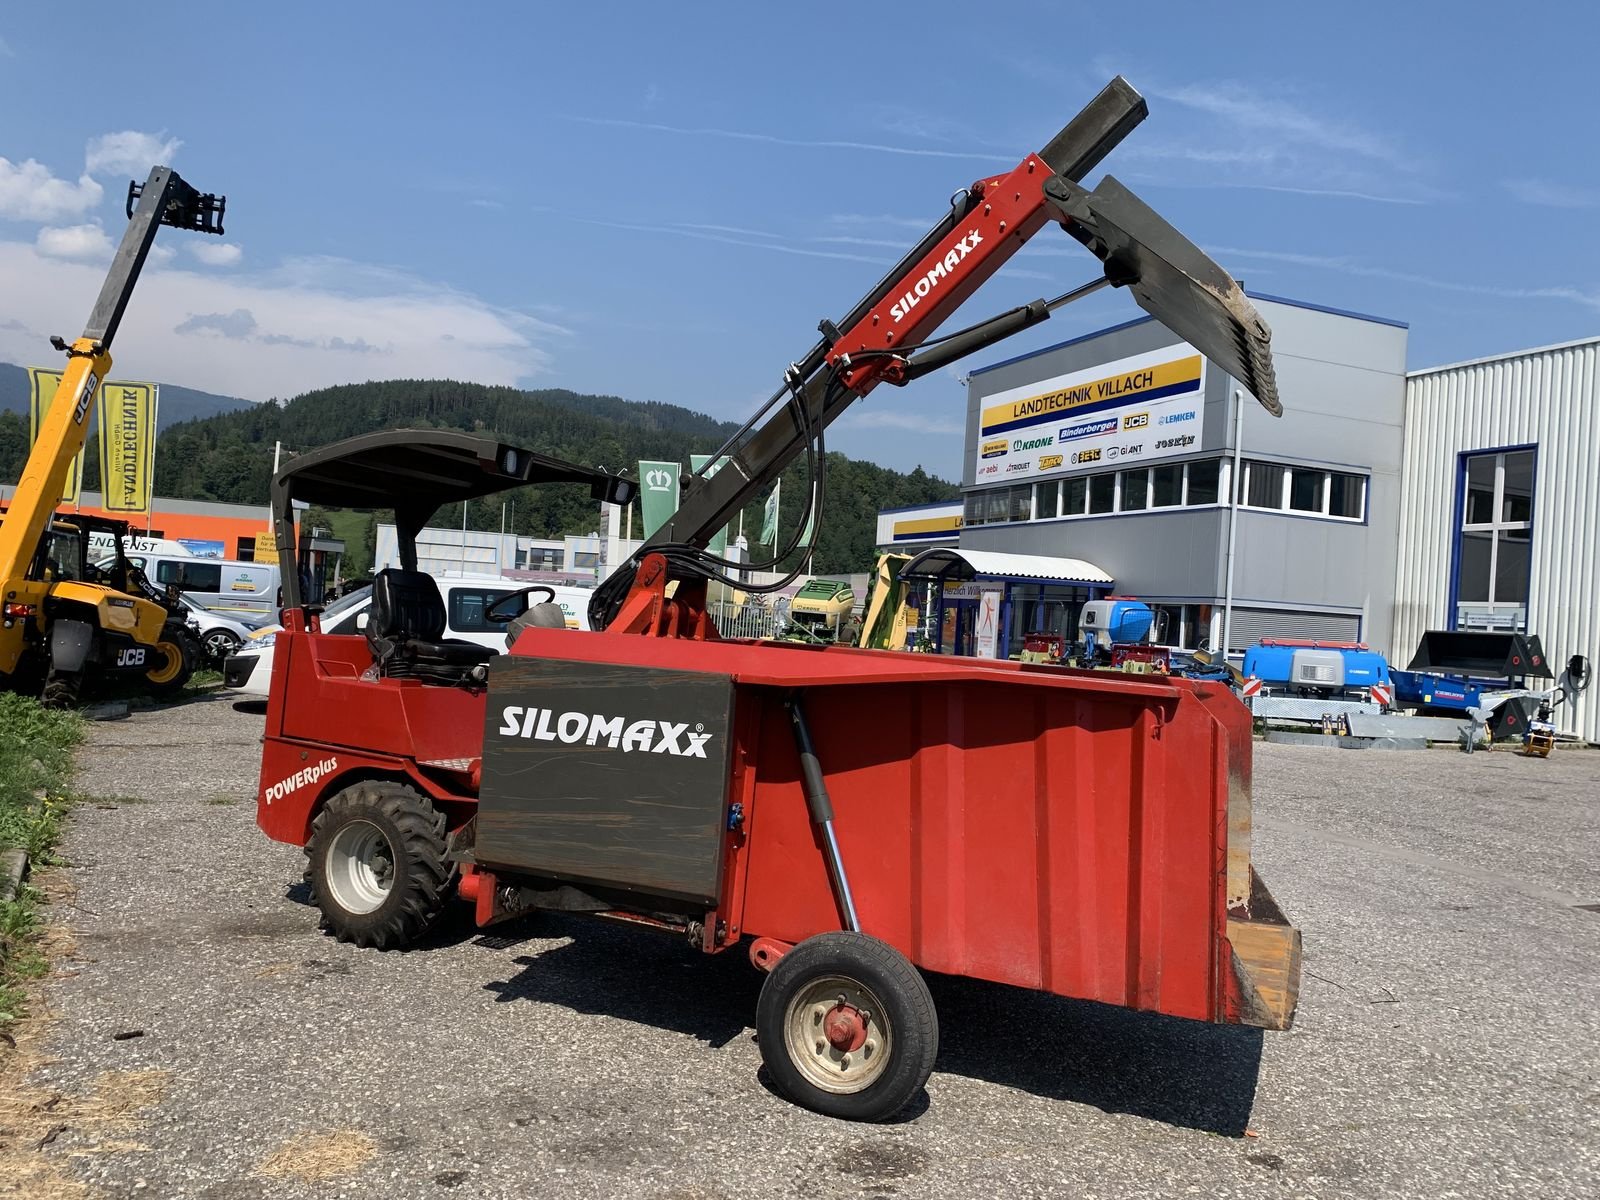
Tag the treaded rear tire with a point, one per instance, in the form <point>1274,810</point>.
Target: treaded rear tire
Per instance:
<point>907,1023</point>
<point>420,883</point>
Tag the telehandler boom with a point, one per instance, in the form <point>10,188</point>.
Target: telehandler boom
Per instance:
<point>51,626</point>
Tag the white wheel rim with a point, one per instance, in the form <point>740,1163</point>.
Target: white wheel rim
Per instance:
<point>221,644</point>
<point>360,867</point>
<point>840,1069</point>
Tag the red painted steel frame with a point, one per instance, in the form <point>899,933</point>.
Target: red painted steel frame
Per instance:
<point>1052,829</point>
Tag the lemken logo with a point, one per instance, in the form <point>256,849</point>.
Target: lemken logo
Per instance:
<point>995,448</point>
<point>941,270</point>
<point>1175,418</point>
<point>1032,443</point>
<point>1136,420</point>
<point>617,733</point>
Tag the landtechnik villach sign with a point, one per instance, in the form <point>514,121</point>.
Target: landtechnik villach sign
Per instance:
<point>1143,407</point>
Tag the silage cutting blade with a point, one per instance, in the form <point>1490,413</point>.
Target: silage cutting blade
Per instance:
<point>1172,279</point>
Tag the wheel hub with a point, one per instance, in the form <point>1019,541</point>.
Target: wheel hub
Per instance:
<point>845,1027</point>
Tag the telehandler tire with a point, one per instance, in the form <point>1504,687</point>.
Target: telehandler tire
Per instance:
<point>177,654</point>
<point>377,866</point>
<point>847,1027</point>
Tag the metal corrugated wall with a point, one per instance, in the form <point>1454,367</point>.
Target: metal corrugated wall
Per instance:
<point>1549,398</point>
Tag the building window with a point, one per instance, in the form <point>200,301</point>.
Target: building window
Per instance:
<point>1047,499</point>
<point>1166,485</point>
<point>1203,480</point>
<point>1074,497</point>
<point>245,549</point>
<point>1135,490</point>
<point>1307,490</point>
<point>1495,540</point>
<point>1102,493</point>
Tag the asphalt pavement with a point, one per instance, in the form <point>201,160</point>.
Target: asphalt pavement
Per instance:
<point>1446,1044</point>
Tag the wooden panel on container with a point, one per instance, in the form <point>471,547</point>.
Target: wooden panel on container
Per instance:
<point>606,774</point>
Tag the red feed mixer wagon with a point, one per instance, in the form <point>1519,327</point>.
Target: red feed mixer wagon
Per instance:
<point>846,816</point>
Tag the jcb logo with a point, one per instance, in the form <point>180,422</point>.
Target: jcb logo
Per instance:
<point>131,658</point>
<point>1136,420</point>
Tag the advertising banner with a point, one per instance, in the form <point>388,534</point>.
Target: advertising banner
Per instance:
<point>1147,406</point>
<point>42,386</point>
<point>658,493</point>
<point>719,544</point>
<point>769,517</point>
<point>986,628</point>
<point>127,446</point>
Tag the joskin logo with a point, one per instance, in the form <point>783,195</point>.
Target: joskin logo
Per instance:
<point>901,309</point>
<point>1049,462</point>
<point>995,448</point>
<point>1043,443</point>
<point>1086,456</point>
<point>592,729</point>
<point>1136,420</point>
<point>1175,443</point>
<point>1176,418</point>
<point>1085,429</point>
<point>300,778</point>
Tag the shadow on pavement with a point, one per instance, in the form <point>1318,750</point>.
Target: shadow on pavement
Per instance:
<point>1184,1073</point>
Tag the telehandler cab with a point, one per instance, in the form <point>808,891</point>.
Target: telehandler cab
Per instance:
<point>847,815</point>
<point>56,621</point>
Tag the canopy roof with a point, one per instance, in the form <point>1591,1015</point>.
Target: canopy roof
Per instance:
<point>415,472</point>
<point>957,565</point>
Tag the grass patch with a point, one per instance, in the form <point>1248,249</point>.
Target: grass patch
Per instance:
<point>36,747</point>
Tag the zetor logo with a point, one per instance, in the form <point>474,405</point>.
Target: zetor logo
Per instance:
<point>618,733</point>
<point>1086,456</point>
<point>901,309</point>
<point>1049,462</point>
<point>1136,421</point>
<point>1043,443</point>
<point>995,448</point>
<point>300,778</point>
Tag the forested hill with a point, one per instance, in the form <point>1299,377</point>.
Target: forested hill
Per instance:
<point>229,456</point>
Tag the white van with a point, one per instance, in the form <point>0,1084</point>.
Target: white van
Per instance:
<point>466,598</point>
<point>220,584</point>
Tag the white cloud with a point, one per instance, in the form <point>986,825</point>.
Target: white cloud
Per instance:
<point>217,254</point>
<point>30,192</point>
<point>129,152</point>
<point>85,243</point>
<point>308,324</point>
<point>1551,195</point>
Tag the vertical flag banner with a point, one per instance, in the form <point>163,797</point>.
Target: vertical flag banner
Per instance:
<point>719,544</point>
<point>769,517</point>
<point>42,386</point>
<point>658,493</point>
<point>127,446</point>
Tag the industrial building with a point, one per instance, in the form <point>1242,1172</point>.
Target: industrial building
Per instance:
<point>1380,505</point>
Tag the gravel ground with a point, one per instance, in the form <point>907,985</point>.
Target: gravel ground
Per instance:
<point>1446,1045</point>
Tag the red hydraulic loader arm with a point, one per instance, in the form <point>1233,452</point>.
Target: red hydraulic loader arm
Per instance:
<point>885,339</point>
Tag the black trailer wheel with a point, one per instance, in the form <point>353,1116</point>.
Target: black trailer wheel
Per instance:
<point>378,870</point>
<point>847,1027</point>
<point>174,658</point>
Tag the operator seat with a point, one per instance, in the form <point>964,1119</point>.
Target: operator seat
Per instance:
<point>405,629</point>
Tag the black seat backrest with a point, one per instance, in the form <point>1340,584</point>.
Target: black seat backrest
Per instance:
<point>406,605</point>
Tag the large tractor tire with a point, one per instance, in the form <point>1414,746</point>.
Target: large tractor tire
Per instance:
<point>847,1027</point>
<point>175,656</point>
<point>377,868</point>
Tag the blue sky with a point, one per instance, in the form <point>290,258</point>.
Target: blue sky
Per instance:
<point>660,201</point>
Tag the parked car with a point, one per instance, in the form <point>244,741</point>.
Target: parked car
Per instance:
<point>220,635</point>
<point>466,597</point>
<point>222,585</point>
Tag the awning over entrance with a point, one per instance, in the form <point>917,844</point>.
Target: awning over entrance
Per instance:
<point>955,565</point>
